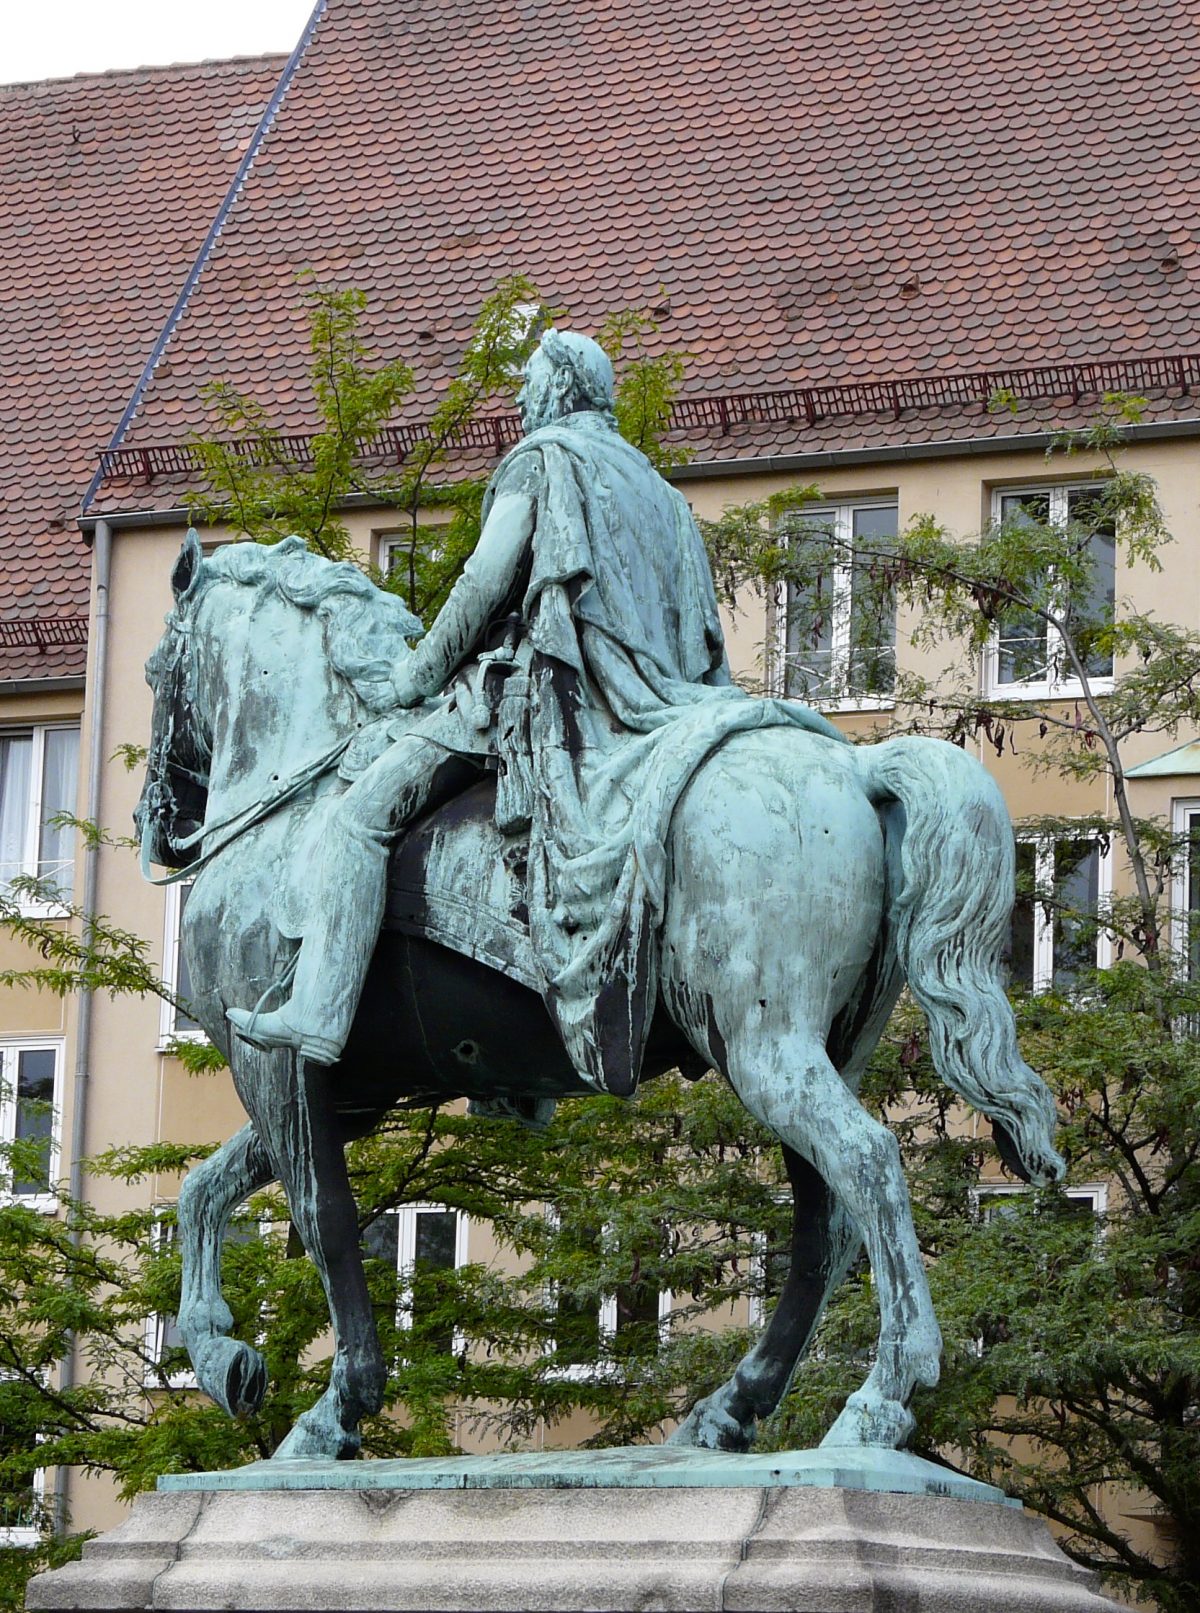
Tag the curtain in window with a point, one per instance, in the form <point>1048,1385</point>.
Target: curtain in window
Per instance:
<point>60,769</point>
<point>16,773</point>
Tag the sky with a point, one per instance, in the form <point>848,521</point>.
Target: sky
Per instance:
<point>57,38</point>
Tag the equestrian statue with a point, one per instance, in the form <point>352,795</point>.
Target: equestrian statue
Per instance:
<point>554,850</point>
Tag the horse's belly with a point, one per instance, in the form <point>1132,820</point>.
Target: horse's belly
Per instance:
<point>450,1026</point>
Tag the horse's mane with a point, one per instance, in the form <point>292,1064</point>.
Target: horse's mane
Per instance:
<point>364,628</point>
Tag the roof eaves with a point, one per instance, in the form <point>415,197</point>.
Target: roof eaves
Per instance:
<point>210,240</point>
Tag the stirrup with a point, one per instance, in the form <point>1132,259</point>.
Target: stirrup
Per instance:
<point>256,1029</point>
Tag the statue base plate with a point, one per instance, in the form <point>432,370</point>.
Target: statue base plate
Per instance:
<point>833,1531</point>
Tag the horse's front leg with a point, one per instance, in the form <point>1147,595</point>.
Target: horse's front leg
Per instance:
<point>824,1241</point>
<point>232,1372</point>
<point>788,1082</point>
<point>292,1107</point>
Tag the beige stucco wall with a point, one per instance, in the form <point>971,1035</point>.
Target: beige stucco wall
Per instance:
<point>139,1095</point>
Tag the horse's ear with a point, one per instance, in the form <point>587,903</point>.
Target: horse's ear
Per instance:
<point>187,567</point>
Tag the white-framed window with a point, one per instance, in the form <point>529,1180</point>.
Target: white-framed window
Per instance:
<point>176,1024</point>
<point>770,1262</point>
<point>589,1337</point>
<point>1185,907</point>
<point>991,1201</point>
<point>393,552</point>
<point>835,642</point>
<point>30,1109</point>
<point>393,549</point>
<point>419,1238</point>
<point>1054,932</point>
<point>1026,658</point>
<point>39,769</point>
<point>22,1507</point>
<point>162,1328</point>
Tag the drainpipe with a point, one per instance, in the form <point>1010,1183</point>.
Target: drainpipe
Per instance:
<point>102,564</point>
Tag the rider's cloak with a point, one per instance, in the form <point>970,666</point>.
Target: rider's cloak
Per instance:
<point>629,690</point>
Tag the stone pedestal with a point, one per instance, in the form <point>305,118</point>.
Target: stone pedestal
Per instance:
<point>810,1532</point>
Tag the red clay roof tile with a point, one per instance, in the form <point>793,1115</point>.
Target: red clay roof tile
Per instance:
<point>784,170</point>
<point>107,186</point>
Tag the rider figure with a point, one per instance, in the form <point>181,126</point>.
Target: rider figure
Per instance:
<point>603,560</point>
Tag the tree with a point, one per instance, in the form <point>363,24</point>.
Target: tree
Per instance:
<point>1072,1346</point>
<point>632,1187</point>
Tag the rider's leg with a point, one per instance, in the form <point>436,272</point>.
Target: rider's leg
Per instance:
<point>346,904</point>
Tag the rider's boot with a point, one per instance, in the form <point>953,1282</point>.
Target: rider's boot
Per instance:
<point>348,903</point>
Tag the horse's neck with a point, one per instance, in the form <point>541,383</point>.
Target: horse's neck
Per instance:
<point>275,703</point>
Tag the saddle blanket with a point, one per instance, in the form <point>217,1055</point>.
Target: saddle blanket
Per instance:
<point>434,887</point>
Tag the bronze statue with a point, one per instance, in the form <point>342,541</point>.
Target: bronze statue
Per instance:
<point>558,840</point>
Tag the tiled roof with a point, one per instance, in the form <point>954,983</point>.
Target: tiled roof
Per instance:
<point>108,183</point>
<point>816,191</point>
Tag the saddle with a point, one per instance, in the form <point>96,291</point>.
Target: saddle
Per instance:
<point>434,888</point>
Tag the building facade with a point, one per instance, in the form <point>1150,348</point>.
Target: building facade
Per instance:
<point>860,232</point>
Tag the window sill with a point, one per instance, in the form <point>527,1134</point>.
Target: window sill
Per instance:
<point>168,1039</point>
<point>1071,690</point>
<point>847,704</point>
<point>39,910</point>
<point>42,1203</point>
<point>185,1379</point>
<point>23,1539</point>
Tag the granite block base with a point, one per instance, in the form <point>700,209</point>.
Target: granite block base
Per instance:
<point>587,1547</point>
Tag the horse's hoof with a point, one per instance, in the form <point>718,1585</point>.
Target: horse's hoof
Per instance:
<point>314,1438</point>
<point>869,1419</point>
<point>234,1374</point>
<point>708,1427</point>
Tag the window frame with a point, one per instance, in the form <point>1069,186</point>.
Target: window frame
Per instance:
<point>28,867</point>
<point>1095,1192</point>
<point>406,1257</point>
<point>1051,687</point>
<point>10,1049</point>
<point>25,1536</point>
<point>168,1032</point>
<point>1183,809</point>
<point>841,648</point>
<point>163,1232</point>
<point>1043,925</point>
<point>758,1299</point>
<point>592,1371</point>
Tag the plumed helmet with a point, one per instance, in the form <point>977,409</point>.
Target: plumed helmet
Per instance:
<point>590,366</point>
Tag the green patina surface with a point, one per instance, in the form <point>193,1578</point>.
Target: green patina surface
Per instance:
<point>651,1467</point>
<point>652,845</point>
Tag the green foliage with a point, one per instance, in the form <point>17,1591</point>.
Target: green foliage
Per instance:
<point>1072,1368</point>
<point>646,387</point>
<point>472,1351</point>
<point>258,481</point>
<point>440,512</point>
<point>261,483</point>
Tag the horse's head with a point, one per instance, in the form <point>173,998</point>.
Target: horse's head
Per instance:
<point>270,657</point>
<point>175,794</point>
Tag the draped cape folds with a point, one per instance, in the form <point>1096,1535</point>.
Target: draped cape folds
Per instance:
<point>629,691</point>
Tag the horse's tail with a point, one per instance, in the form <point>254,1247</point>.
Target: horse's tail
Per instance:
<point>950,915</point>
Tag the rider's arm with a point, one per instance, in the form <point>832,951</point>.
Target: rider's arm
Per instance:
<point>479,594</point>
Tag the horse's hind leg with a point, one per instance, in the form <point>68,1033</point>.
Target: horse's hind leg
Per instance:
<point>229,1370</point>
<point>824,1241</point>
<point>291,1104</point>
<point>788,1083</point>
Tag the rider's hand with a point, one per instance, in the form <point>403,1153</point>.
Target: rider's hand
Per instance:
<point>404,686</point>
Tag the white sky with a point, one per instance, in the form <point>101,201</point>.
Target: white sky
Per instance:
<point>55,38</point>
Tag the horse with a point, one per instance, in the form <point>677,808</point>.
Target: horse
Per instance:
<point>808,880</point>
